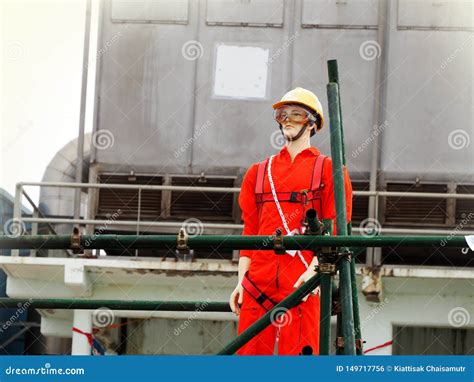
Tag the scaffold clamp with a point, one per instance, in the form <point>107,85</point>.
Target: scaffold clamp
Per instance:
<point>182,242</point>
<point>76,241</point>
<point>278,243</point>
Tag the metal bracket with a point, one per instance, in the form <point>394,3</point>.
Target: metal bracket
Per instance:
<point>339,342</point>
<point>76,241</point>
<point>327,268</point>
<point>328,255</point>
<point>345,254</point>
<point>182,242</point>
<point>278,243</point>
<point>359,343</point>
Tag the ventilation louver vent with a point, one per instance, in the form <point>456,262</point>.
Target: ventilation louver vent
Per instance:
<point>416,211</point>
<point>202,205</point>
<point>113,200</point>
<point>465,207</point>
<point>360,204</point>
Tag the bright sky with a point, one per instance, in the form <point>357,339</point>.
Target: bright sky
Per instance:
<point>41,73</point>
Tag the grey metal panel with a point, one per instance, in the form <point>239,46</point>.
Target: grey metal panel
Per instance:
<point>348,13</point>
<point>150,11</point>
<point>146,94</point>
<point>436,14</point>
<point>239,130</point>
<point>313,48</point>
<point>238,12</point>
<point>158,124</point>
<point>430,105</point>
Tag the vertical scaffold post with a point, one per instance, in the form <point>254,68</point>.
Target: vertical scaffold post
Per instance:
<point>345,285</point>
<point>333,73</point>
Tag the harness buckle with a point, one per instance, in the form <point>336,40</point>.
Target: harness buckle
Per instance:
<point>294,196</point>
<point>304,197</point>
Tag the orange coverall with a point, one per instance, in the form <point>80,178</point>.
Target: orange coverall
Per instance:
<point>275,274</point>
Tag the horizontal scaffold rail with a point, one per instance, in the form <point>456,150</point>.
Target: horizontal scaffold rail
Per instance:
<point>88,304</point>
<point>223,241</point>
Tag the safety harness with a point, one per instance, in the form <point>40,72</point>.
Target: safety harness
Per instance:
<point>266,302</point>
<point>303,197</point>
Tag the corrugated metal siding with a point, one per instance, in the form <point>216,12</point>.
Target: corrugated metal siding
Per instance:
<point>416,211</point>
<point>360,204</point>
<point>112,200</point>
<point>202,205</point>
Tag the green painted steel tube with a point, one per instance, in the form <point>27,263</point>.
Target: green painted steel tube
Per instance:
<point>74,303</point>
<point>341,219</point>
<point>333,74</point>
<point>327,291</point>
<point>314,225</point>
<point>325,314</point>
<point>226,241</point>
<point>289,302</point>
<point>355,300</point>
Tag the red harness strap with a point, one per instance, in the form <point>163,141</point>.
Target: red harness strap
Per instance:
<point>266,302</point>
<point>89,336</point>
<point>302,196</point>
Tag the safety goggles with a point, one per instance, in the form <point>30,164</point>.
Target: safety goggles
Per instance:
<point>293,115</point>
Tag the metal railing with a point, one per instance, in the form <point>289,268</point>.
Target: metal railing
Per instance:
<point>39,218</point>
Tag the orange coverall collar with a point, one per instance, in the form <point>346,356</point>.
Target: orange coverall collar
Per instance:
<point>311,150</point>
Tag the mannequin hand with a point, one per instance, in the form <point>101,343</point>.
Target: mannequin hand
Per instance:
<point>305,276</point>
<point>235,299</point>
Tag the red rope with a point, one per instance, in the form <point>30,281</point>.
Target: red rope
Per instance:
<point>388,343</point>
<point>90,337</point>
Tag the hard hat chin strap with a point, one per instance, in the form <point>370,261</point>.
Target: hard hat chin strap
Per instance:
<point>297,136</point>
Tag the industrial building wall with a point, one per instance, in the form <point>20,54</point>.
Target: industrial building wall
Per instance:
<point>170,95</point>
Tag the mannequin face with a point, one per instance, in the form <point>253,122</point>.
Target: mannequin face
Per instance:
<point>292,118</point>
